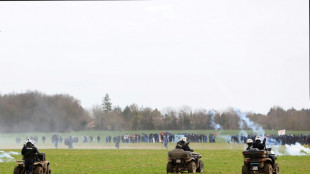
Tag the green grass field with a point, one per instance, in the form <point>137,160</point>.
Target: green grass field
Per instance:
<point>92,158</point>
<point>218,158</point>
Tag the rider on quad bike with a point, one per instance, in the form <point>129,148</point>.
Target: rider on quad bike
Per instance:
<point>259,159</point>
<point>183,159</point>
<point>182,144</point>
<point>29,152</point>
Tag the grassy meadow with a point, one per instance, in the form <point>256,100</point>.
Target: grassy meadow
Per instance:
<point>92,161</point>
<point>92,158</point>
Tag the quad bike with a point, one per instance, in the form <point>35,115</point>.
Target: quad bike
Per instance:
<point>259,161</point>
<point>40,166</point>
<point>180,161</point>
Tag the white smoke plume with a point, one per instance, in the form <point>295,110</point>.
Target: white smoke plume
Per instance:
<point>6,156</point>
<point>291,150</point>
<point>216,126</point>
<point>257,129</point>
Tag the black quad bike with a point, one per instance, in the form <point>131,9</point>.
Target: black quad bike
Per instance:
<point>259,161</point>
<point>41,166</point>
<point>180,161</point>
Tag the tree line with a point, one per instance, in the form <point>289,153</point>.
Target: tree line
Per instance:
<point>35,111</point>
<point>133,117</point>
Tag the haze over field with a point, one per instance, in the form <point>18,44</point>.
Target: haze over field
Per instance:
<point>250,55</point>
<point>187,65</point>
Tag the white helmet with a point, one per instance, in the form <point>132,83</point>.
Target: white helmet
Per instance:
<point>28,141</point>
<point>183,139</point>
<point>33,142</point>
<point>257,138</point>
<point>249,141</point>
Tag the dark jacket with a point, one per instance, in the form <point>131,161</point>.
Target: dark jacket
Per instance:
<point>259,145</point>
<point>183,145</point>
<point>249,146</point>
<point>29,151</point>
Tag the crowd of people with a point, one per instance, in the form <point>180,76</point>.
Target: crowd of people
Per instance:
<point>163,137</point>
<point>34,138</point>
<point>289,139</point>
<point>272,139</point>
<point>168,137</point>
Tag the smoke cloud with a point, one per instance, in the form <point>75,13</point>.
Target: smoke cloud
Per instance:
<point>291,150</point>
<point>216,126</point>
<point>257,129</point>
<point>6,156</point>
<point>245,122</point>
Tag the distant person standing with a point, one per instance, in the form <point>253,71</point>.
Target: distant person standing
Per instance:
<point>56,142</point>
<point>35,138</point>
<point>91,139</point>
<point>17,140</point>
<point>43,139</point>
<point>117,143</point>
<point>29,151</point>
<point>70,142</point>
<point>166,138</point>
<point>98,139</point>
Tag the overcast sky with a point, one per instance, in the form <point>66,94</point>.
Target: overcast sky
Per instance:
<point>250,55</point>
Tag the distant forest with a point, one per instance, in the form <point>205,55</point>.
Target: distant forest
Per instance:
<point>34,111</point>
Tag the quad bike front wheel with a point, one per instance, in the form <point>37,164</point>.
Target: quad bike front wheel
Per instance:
<point>191,167</point>
<point>169,167</point>
<point>268,169</point>
<point>38,170</point>
<point>17,170</point>
<point>201,167</point>
<point>277,169</point>
<point>48,170</point>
